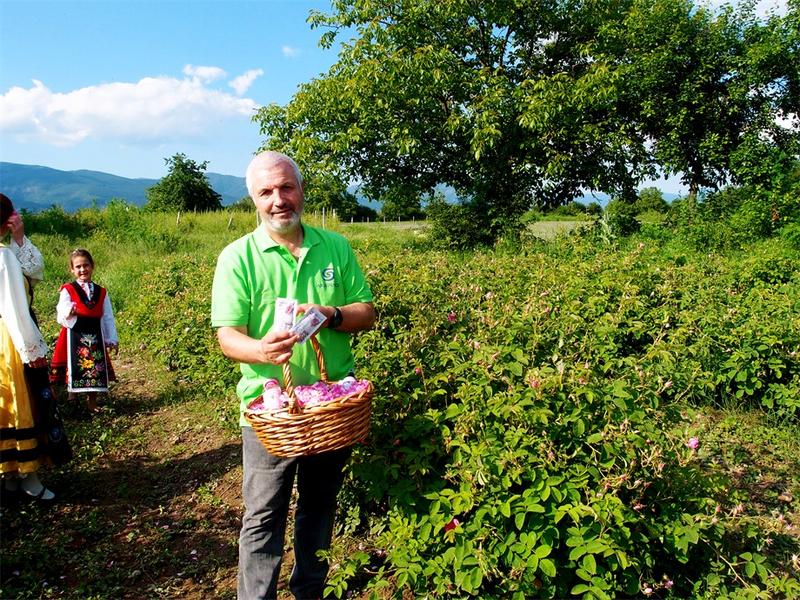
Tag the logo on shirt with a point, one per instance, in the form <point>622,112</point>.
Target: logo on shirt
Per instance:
<point>328,278</point>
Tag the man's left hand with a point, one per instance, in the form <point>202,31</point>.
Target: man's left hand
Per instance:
<point>325,310</point>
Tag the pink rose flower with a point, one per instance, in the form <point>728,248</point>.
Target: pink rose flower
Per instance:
<point>452,524</point>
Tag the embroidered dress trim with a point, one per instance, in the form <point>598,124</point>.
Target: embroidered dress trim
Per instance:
<point>87,364</point>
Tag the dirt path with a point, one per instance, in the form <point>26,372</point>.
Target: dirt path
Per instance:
<point>150,506</point>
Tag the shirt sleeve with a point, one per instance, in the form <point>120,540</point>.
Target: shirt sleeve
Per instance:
<point>230,296</point>
<point>356,287</point>
<point>63,308</point>
<point>107,324</point>
<point>30,258</point>
<point>26,337</point>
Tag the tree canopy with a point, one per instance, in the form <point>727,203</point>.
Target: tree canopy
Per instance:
<point>184,188</point>
<point>516,103</point>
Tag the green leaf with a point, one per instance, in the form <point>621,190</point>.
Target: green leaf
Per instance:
<point>453,410</point>
<point>750,569</point>
<point>577,552</point>
<point>534,507</point>
<point>579,589</point>
<point>476,578</point>
<point>589,563</point>
<point>548,567</point>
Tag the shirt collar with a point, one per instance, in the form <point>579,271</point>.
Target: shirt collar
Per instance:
<point>264,242</point>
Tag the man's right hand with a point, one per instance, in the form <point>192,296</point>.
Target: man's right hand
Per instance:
<point>276,347</point>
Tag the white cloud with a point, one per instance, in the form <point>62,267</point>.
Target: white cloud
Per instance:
<point>152,109</point>
<point>243,82</point>
<point>289,52</point>
<point>204,74</point>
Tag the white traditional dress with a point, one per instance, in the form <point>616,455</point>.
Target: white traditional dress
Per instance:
<point>21,342</point>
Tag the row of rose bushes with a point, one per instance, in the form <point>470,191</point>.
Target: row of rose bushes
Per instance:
<point>532,431</point>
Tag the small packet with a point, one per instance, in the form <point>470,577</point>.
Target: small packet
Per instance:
<point>307,326</point>
<point>285,311</point>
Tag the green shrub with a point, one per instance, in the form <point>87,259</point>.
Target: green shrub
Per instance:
<point>56,221</point>
<point>459,226</point>
<point>537,414</point>
<point>621,218</point>
<point>651,199</point>
<point>791,234</point>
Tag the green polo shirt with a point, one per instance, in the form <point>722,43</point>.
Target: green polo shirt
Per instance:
<point>254,270</point>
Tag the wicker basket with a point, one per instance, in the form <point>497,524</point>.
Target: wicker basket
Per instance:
<point>296,431</point>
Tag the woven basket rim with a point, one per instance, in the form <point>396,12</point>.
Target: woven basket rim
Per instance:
<point>335,403</point>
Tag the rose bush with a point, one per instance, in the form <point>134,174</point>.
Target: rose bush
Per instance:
<point>528,435</point>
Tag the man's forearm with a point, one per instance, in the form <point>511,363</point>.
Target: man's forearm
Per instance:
<point>356,317</point>
<point>237,345</point>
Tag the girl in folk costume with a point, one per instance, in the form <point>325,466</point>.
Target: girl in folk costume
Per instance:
<point>88,333</point>
<point>23,447</point>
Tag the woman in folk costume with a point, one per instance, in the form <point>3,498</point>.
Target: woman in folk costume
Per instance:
<point>88,333</point>
<point>22,446</point>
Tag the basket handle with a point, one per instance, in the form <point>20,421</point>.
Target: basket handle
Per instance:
<point>294,407</point>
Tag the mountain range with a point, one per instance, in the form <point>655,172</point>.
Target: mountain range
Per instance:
<point>36,188</point>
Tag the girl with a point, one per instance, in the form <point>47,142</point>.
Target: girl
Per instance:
<point>22,448</point>
<point>88,333</point>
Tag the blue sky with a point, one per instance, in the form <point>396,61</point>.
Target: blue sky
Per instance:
<point>120,85</point>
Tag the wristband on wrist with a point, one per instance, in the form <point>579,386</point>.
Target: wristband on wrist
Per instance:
<point>336,319</point>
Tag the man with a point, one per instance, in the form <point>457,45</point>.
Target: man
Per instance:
<point>283,258</point>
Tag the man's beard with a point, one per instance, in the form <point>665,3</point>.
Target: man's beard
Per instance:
<point>283,226</point>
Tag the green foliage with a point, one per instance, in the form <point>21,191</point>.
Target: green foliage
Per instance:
<point>620,216</point>
<point>172,321</point>
<point>326,193</point>
<point>458,226</point>
<point>515,101</point>
<point>397,206</point>
<point>544,422</point>
<point>184,188</point>
<point>533,406</point>
<point>735,216</point>
<point>243,204</point>
<point>791,233</point>
<point>55,220</point>
<point>594,209</point>
<point>651,199</point>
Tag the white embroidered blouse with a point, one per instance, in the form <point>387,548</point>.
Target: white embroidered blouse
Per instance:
<point>107,324</point>
<point>30,258</point>
<point>25,335</point>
